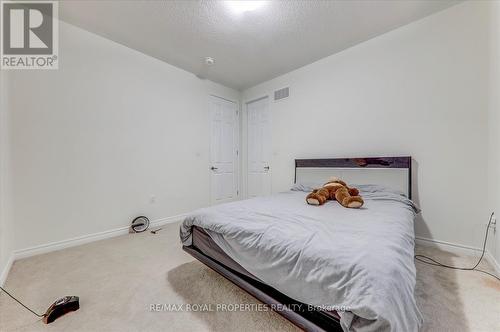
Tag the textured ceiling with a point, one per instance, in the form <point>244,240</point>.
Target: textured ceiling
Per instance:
<point>248,48</point>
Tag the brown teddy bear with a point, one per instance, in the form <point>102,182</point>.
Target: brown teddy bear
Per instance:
<point>335,183</point>
<point>336,189</point>
<point>346,199</point>
<point>318,196</point>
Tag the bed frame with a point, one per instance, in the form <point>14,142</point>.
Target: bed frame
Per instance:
<point>315,320</point>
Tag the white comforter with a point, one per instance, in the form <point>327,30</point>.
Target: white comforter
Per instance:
<point>327,256</point>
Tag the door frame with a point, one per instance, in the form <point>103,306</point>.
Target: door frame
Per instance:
<point>245,125</point>
<point>237,159</point>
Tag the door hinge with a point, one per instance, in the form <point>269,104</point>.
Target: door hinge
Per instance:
<point>237,192</point>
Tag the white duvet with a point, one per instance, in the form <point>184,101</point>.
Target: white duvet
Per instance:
<point>327,256</point>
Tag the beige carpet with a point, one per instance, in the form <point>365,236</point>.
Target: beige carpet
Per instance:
<point>118,279</point>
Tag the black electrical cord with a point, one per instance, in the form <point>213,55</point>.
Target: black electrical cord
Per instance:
<point>428,260</point>
<point>34,313</point>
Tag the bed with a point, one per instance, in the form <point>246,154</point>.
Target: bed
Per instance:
<point>324,268</point>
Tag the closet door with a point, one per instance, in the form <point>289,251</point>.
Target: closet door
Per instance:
<point>259,148</point>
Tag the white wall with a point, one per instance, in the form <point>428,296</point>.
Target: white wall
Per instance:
<point>420,90</point>
<point>494,126</point>
<point>6,231</point>
<point>95,139</point>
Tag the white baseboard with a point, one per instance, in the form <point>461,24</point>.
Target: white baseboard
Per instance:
<point>458,249</point>
<point>6,270</point>
<point>447,246</point>
<point>53,246</point>
<point>167,220</point>
<point>489,257</point>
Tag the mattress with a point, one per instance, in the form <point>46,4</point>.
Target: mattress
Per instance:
<point>330,257</point>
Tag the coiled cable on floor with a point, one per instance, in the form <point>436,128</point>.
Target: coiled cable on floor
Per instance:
<point>431,261</point>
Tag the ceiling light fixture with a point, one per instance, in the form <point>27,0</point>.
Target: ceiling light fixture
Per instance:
<point>239,7</point>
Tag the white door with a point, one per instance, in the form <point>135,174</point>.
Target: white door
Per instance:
<point>259,148</point>
<point>223,150</point>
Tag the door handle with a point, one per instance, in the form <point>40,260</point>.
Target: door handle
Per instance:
<point>213,168</point>
<point>266,168</point>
